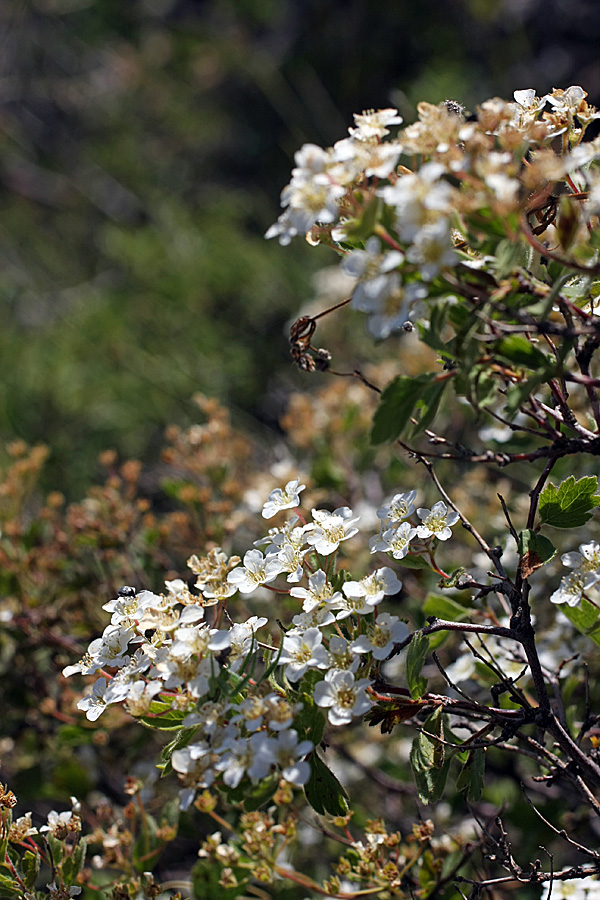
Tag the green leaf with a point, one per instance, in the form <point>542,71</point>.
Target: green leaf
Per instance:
<point>323,791</point>
<point>9,884</point>
<point>417,651</point>
<point>206,877</point>
<point>413,561</point>
<point>585,618</point>
<point>396,406</point>
<point>535,550</point>
<point>362,228</point>
<point>252,796</point>
<point>30,865</point>
<point>429,762</point>
<point>571,504</point>
<point>148,847</point>
<point>310,722</point>
<point>509,256</point>
<point>428,405</point>
<point>519,350</point>
<point>444,608</point>
<point>471,776</point>
<point>167,720</point>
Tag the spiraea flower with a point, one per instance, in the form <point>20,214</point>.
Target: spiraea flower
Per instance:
<point>437,521</point>
<point>257,570</point>
<point>302,652</point>
<point>286,498</point>
<point>328,530</point>
<point>342,696</point>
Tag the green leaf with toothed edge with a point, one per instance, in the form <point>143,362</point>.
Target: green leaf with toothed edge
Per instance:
<point>571,504</point>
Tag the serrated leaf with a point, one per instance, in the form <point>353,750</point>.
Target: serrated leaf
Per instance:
<point>396,406</point>
<point>323,791</point>
<point>169,721</point>
<point>585,618</point>
<point>534,550</point>
<point>417,651</point>
<point>571,504</point>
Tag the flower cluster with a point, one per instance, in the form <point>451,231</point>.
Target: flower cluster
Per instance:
<point>398,229</point>
<point>164,655</point>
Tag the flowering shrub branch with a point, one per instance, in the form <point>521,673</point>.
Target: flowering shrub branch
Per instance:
<point>479,235</point>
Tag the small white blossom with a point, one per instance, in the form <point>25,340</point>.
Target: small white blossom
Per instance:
<point>303,651</point>
<point>372,123</point>
<point>253,756</point>
<point>318,593</point>
<point>381,636</point>
<point>257,570</point>
<point>343,696</point>
<point>394,540</point>
<point>437,521</point>
<point>374,587</point>
<point>289,756</point>
<point>573,586</point>
<point>328,530</point>
<point>400,507</point>
<point>286,498</point>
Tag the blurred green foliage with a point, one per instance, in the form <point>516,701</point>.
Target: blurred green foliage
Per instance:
<point>142,150</point>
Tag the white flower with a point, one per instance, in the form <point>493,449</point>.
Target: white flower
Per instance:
<point>289,757</point>
<point>373,269</point>
<point>329,529</point>
<point>344,696</point>
<point>279,499</point>
<point>372,124</point>
<point>400,507</point>
<point>432,249</point>
<point>381,636</point>
<point>303,651</point>
<point>61,822</point>
<point>241,639</point>
<point>588,557</point>
<point>419,199</point>
<point>373,588</point>
<point>573,587</point>
<point>436,521</point>
<point>587,888</point>
<point>586,566</point>
<point>340,655</point>
<point>318,593</point>
<point>394,540</point>
<point>95,703</point>
<point>318,618</point>
<point>140,695</point>
<point>253,756</point>
<point>256,570</point>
